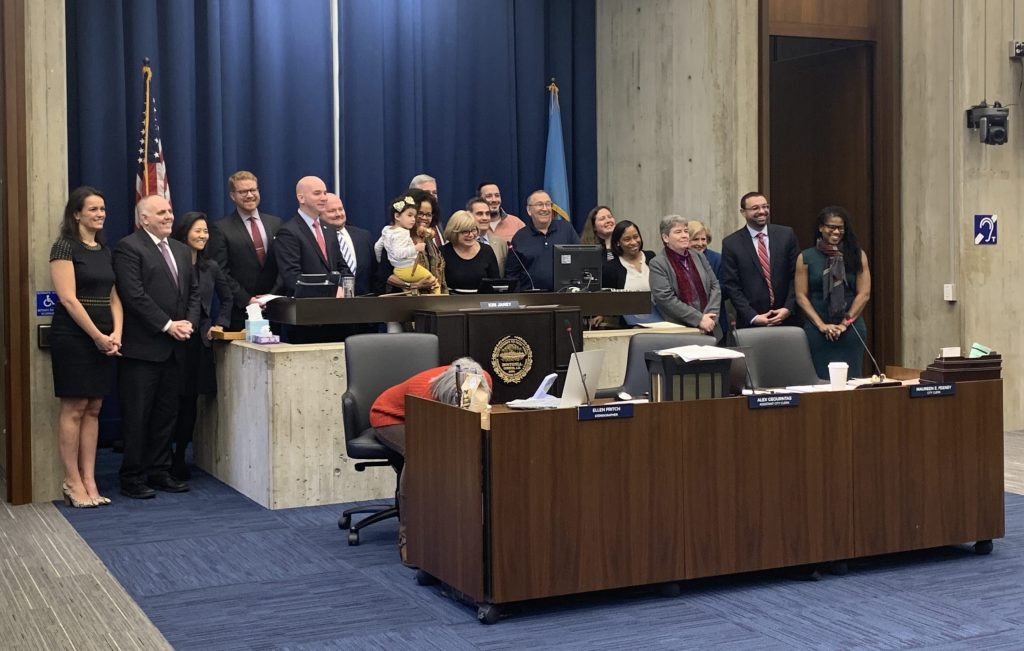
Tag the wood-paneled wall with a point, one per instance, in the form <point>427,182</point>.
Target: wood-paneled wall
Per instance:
<point>849,19</point>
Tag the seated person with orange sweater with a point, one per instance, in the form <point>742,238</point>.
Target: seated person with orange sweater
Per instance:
<point>387,415</point>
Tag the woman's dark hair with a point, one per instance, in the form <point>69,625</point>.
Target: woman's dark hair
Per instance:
<point>619,231</point>
<point>848,244</point>
<point>76,202</point>
<point>180,233</point>
<point>419,196</point>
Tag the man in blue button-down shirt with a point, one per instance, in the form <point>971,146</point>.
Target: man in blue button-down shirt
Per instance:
<point>530,258</point>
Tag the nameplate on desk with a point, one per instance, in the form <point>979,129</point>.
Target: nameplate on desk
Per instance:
<point>499,305</point>
<point>931,390</point>
<point>602,412</point>
<point>772,400</point>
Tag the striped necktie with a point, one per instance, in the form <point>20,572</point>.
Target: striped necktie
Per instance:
<point>766,270</point>
<point>346,251</point>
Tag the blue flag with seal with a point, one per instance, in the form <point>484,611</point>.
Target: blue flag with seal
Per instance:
<point>556,181</point>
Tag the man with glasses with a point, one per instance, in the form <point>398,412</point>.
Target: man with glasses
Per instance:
<point>758,264</point>
<point>240,244</point>
<point>502,224</point>
<point>530,257</point>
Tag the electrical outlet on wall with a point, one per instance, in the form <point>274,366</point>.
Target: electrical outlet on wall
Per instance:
<point>1016,49</point>
<point>949,292</point>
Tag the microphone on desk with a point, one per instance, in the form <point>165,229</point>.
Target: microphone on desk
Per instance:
<point>882,381</point>
<point>512,250</point>
<point>575,356</point>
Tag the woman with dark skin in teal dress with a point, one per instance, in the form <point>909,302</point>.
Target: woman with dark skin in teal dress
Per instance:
<point>833,285</point>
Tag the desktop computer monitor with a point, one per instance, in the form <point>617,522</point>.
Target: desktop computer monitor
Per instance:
<point>577,267</point>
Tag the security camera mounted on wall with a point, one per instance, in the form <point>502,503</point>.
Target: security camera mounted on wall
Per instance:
<point>990,121</point>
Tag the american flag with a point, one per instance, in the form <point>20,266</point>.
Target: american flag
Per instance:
<point>152,175</point>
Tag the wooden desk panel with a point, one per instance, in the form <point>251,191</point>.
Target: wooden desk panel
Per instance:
<point>692,489</point>
<point>929,470</point>
<point>444,494</point>
<point>583,506</point>
<point>766,488</point>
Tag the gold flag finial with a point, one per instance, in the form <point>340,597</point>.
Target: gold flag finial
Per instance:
<point>552,87</point>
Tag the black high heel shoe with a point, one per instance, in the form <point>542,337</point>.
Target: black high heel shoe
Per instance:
<point>70,500</point>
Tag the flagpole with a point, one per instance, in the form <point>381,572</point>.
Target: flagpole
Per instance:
<point>147,74</point>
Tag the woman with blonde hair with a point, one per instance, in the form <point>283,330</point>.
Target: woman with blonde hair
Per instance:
<point>466,261</point>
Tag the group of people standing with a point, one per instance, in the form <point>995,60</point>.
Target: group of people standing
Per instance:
<point>760,270</point>
<point>141,302</point>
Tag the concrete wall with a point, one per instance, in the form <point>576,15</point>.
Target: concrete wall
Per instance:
<point>955,53</point>
<point>676,110</point>
<point>46,111</point>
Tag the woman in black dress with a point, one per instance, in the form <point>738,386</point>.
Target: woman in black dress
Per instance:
<point>199,377</point>
<point>466,261</point>
<point>85,336</point>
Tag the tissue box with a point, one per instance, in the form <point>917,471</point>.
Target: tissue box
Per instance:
<point>255,328</point>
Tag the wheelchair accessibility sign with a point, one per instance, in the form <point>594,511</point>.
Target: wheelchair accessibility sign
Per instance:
<point>45,302</point>
<point>985,229</point>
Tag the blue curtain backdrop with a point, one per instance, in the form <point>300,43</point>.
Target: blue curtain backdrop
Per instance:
<point>239,84</point>
<point>457,89</point>
<point>454,88</point>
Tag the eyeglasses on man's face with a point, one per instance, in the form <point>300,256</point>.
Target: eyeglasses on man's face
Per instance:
<point>247,191</point>
<point>542,204</point>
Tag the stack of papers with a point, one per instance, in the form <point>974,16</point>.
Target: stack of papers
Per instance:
<point>700,353</point>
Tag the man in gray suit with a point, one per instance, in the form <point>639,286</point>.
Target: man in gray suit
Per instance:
<point>477,207</point>
<point>240,244</point>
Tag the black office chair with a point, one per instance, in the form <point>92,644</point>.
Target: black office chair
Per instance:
<point>374,363</point>
<point>638,381</point>
<point>778,356</point>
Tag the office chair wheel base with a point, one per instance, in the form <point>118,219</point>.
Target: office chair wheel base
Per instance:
<point>344,522</point>
<point>669,590</point>
<point>983,547</point>
<point>353,538</point>
<point>423,578</point>
<point>488,614</point>
<point>838,568</point>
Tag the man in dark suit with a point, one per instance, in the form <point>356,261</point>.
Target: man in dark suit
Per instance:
<point>758,264</point>
<point>241,244</point>
<point>305,245</point>
<point>355,244</point>
<point>160,295</point>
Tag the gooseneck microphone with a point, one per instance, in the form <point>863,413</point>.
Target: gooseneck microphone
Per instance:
<point>881,375</point>
<point>583,376</point>
<point>522,264</point>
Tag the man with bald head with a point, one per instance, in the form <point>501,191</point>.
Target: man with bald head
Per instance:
<point>160,296</point>
<point>355,244</point>
<point>304,244</point>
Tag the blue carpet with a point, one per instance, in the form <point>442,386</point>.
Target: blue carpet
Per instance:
<point>214,570</point>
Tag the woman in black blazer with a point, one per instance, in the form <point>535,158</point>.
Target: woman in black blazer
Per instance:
<point>199,376</point>
<point>628,247</point>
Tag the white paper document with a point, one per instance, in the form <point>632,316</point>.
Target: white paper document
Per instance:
<point>701,353</point>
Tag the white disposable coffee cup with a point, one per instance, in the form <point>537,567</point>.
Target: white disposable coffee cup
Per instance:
<point>837,374</point>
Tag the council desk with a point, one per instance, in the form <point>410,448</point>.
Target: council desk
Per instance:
<point>693,489</point>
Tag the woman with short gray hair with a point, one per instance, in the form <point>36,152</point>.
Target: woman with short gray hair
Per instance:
<point>683,286</point>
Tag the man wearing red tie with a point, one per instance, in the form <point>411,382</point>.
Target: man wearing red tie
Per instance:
<point>307,245</point>
<point>758,264</point>
<point>240,243</point>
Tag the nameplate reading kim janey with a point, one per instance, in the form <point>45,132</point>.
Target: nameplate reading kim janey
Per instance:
<point>602,412</point>
<point>932,390</point>
<point>772,400</point>
<point>499,305</point>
